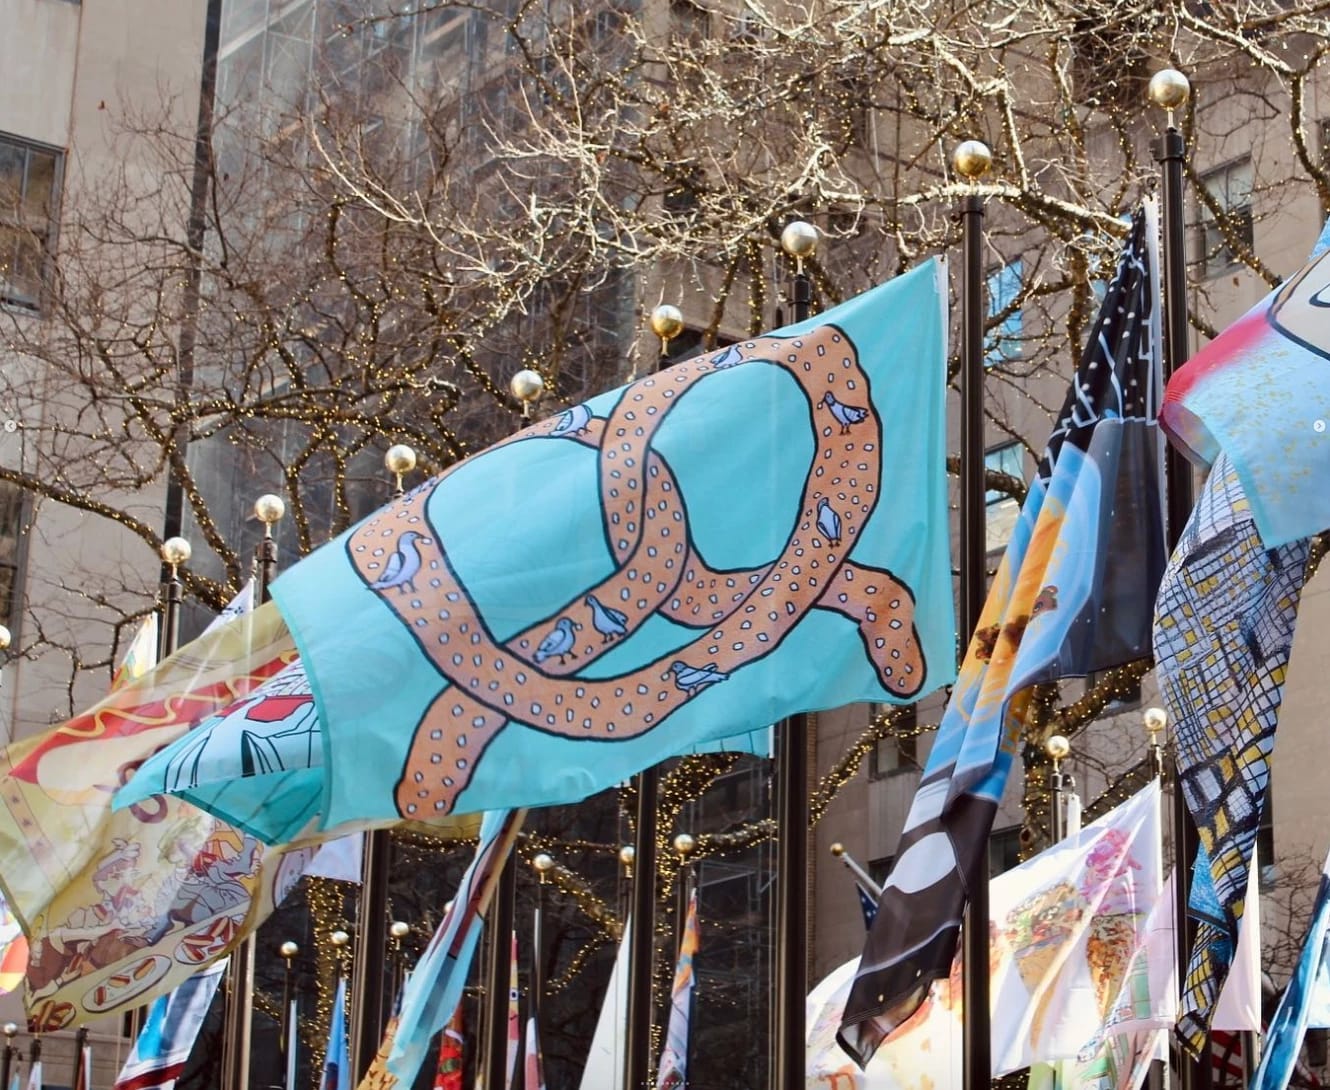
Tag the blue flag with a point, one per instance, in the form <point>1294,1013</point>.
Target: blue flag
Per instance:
<point>746,535</point>
<point>1304,1002</point>
<point>337,1061</point>
<point>168,1035</point>
<point>1073,594</point>
<point>867,904</point>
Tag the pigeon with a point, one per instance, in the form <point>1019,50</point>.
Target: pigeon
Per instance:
<point>692,679</point>
<point>844,414</point>
<point>558,641</point>
<point>730,357</point>
<point>572,421</point>
<point>607,620</point>
<point>828,521</point>
<point>404,565</point>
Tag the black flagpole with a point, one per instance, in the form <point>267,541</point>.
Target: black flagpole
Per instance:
<point>799,240</point>
<point>526,386</point>
<point>971,160</point>
<point>1169,89</point>
<point>666,323</point>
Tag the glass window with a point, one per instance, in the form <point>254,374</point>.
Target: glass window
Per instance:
<point>13,507</point>
<point>1003,509</point>
<point>29,179</point>
<point>1004,339</point>
<point>1218,239</point>
<point>896,754</point>
<point>1004,850</point>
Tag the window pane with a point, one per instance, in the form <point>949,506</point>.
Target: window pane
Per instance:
<point>11,175</point>
<point>38,190</point>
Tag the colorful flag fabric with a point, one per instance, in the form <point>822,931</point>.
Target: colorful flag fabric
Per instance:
<point>1260,393</point>
<point>121,907</point>
<point>674,1056</point>
<point>13,950</point>
<point>1288,1027</point>
<point>514,1018</point>
<point>337,1059</point>
<point>750,533</point>
<point>1073,595</point>
<point>378,1077</point>
<point>164,1043</point>
<point>141,655</point>
<point>867,905</point>
<point>451,1054</point>
<point>1224,628</point>
<point>435,987</point>
<point>533,1062</point>
<point>604,1066</point>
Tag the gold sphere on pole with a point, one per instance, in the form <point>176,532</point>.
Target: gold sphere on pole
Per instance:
<point>1169,89</point>
<point>176,551</point>
<point>339,938</point>
<point>400,459</point>
<point>527,385</point>
<point>627,854</point>
<point>666,322</point>
<point>10,1029</point>
<point>6,638</point>
<point>837,849</point>
<point>799,239</point>
<point>1156,720</point>
<point>269,508</point>
<point>288,949</point>
<point>684,844</point>
<point>1057,747</point>
<point>543,863</point>
<point>399,929</point>
<point>972,158</point>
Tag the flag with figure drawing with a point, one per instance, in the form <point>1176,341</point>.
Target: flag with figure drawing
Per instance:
<point>1073,595</point>
<point>750,533</point>
<point>121,907</point>
<point>13,950</point>
<point>167,1038</point>
<point>674,1056</point>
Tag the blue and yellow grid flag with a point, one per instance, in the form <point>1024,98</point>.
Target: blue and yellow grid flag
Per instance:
<point>748,534</point>
<point>1073,595</point>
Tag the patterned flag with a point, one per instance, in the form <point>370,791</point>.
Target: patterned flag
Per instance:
<point>1239,1004</point>
<point>868,906</point>
<point>121,907</point>
<point>1073,595</point>
<point>451,1055</point>
<point>1260,392</point>
<point>674,1056</point>
<point>1288,1027</point>
<point>336,1060</point>
<point>168,1035</point>
<point>747,534</point>
<point>534,1064</point>
<point>435,987</point>
<point>1224,626</point>
<point>141,655</point>
<point>514,1018</point>
<point>13,950</point>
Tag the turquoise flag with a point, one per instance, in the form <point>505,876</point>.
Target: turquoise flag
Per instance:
<point>746,535</point>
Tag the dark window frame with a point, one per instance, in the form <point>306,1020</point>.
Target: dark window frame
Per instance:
<point>12,219</point>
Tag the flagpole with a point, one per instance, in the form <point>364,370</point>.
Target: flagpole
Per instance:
<point>799,241</point>
<point>286,1037</point>
<point>397,931</point>
<point>1170,90</point>
<point>80,1041</point>
<point>269,509</point>
<point>543,863</point>
<point>7,1057</point>
<point>862,876</point>
<point>683,848</point>
<point>367,1001</point>
<point>1057,747</point>
<point>666,323</point>
<point>175,551</point>
<point>971,160</point>
<point>1156,720</point>
<point>526,386</point>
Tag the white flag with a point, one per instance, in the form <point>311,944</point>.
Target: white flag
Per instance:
<point>1239,1005</point>
<point>604,1065</point>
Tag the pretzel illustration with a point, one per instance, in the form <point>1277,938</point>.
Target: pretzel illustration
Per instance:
<point>538,678</point>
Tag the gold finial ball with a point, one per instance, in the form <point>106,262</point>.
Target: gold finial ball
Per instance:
<point>527,385</point>
<point>1156,719</point>
<point>972,158</point>
<point>1057,747</point>
<point>799,239</point>
<point>667,321</point>
<point>838,849</point>
<point>339,938</point>
<point>6,637</point>
<point>684,844</point>
<point>176,551</point>
<point>288,949</point>
<point>400,459</point>
<point>399,929</point>
<point>543,862</point>
<point>10,1029</point>
<point>627,854</point>
<point>1169,89</point>
<point>448,907</point>
<point>269,508</point>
